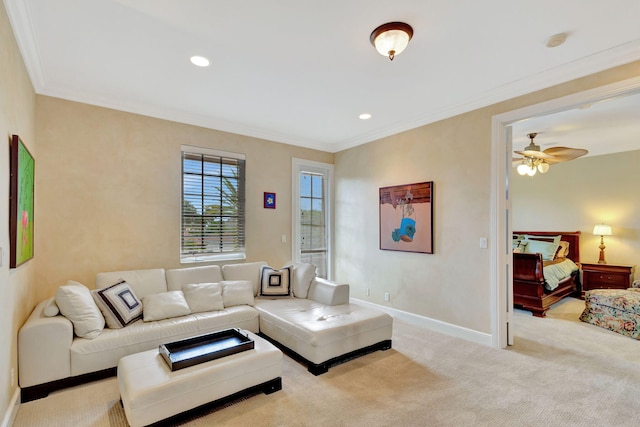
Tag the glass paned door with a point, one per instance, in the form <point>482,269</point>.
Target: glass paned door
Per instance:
<point>313,221</point>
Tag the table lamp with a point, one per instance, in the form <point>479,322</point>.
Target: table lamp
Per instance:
<point>602,230</point>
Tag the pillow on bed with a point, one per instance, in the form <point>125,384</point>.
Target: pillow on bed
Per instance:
<point>547,249</point>
<point>517,239</point>
<point>553,239</point>
<point>563,249</point>
<point>520,248</point>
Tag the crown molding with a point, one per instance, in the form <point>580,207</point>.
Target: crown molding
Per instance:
<point>582,67</point>
<point>20,17</point>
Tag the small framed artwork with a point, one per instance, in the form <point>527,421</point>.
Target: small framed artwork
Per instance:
<point>406,218</point>
<point>269,200</point>
<point>21,189</point>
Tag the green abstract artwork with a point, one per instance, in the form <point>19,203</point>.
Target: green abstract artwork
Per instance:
<point>21,202</point>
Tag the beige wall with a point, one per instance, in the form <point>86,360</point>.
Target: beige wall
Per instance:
<point>453,284</point>
<point>579,194</point>
<point>17,286</point>
<point>108,198</point>
<point>109,191</point>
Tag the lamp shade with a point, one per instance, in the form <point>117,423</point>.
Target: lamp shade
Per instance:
<point>602,230</point>
<point>392,38</point>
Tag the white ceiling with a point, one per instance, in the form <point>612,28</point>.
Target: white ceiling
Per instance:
<point>300,72</point>
<point>605,127</point>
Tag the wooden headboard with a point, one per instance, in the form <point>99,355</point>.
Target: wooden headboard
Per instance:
<point>573,237</point>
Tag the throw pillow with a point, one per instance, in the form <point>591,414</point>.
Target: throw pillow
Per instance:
<point>275,283</point>
<point>51,308</point>
<point>237,292</point>
<point>301,278</point>
<point>164,305</point>
<point>75,303</point>
<point>118,304</point>
<point>203,296</point>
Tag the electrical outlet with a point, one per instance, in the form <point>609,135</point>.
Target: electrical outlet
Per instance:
<point>13,377</point>
<point>386,296</point>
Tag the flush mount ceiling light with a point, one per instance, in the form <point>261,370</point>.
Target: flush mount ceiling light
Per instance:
<point>392,38</point>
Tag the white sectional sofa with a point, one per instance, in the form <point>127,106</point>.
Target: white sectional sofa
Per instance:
<point>316,322</point>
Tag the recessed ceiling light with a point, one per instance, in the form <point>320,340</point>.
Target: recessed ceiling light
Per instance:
<point>200,61</point>
<point>364,116</point>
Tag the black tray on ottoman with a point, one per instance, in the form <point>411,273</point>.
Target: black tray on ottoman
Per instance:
<point>203,348</point>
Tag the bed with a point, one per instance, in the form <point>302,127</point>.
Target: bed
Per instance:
<point>539,283</point>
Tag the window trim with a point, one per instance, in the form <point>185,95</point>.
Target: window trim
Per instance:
<point>200,258</point>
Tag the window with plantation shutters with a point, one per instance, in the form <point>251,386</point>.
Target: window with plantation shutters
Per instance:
<point>213,219</point>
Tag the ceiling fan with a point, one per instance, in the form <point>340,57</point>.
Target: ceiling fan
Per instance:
<point>533,159</point>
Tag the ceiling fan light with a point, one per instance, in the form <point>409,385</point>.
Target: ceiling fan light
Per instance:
<point>522,169</point>
<point>392,38</point>
<point>543,167</point>
<point>531,171</point>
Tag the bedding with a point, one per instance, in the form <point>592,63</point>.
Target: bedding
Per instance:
<point>545,268</point>
<point>556,271</point>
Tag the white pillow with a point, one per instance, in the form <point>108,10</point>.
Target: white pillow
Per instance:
<point>301,278</point>
<point>76,304</point>
<point>118,304</point>
<point>237,292</point>
<point>51,308</point>
<point>203,296</point>
<point>164,306</point>
<point>547,249</point>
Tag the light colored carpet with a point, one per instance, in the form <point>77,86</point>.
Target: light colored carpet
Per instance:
<point>560,372</point>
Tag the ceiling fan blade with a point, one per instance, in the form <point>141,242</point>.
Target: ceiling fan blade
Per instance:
<point>536,154</point>
<point>515,161</point>
<point>564,154</point>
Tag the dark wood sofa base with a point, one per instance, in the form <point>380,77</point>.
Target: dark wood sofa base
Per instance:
<point>267,388</point>
<point>321,368</point>
<point>27,394</point>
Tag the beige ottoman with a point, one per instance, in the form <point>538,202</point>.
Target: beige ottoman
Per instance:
<point>151,392</point>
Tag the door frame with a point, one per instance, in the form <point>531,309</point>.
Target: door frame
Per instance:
<point>297,166</point>
<point>501,228</point>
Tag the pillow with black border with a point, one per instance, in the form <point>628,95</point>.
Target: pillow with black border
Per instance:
<point>275,283</point>
<point>118,304</point>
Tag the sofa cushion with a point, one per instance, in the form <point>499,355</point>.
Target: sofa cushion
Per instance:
<point>237,292</point>
<point>275,283</point>
<point>76,304</point>
<point>105,351</point>
<point>164,305</point>
<point>179,277</point>
<point>119,304</point>
<point>203,296</point>
<point>248,271</point>
<point>142,282</point>
<point>319,332</point>
<point>301,278</point>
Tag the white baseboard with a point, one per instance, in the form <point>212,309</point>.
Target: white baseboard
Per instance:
<point>12,410</point>
<point>431,324</point>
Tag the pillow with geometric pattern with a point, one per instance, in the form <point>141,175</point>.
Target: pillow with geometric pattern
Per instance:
<point>118,304</point>
<point>275,283</point>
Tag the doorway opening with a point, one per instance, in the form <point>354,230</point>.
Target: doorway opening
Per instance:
<point>501,226</point>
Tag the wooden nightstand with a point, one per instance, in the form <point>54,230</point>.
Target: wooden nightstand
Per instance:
<point>606,276</point>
